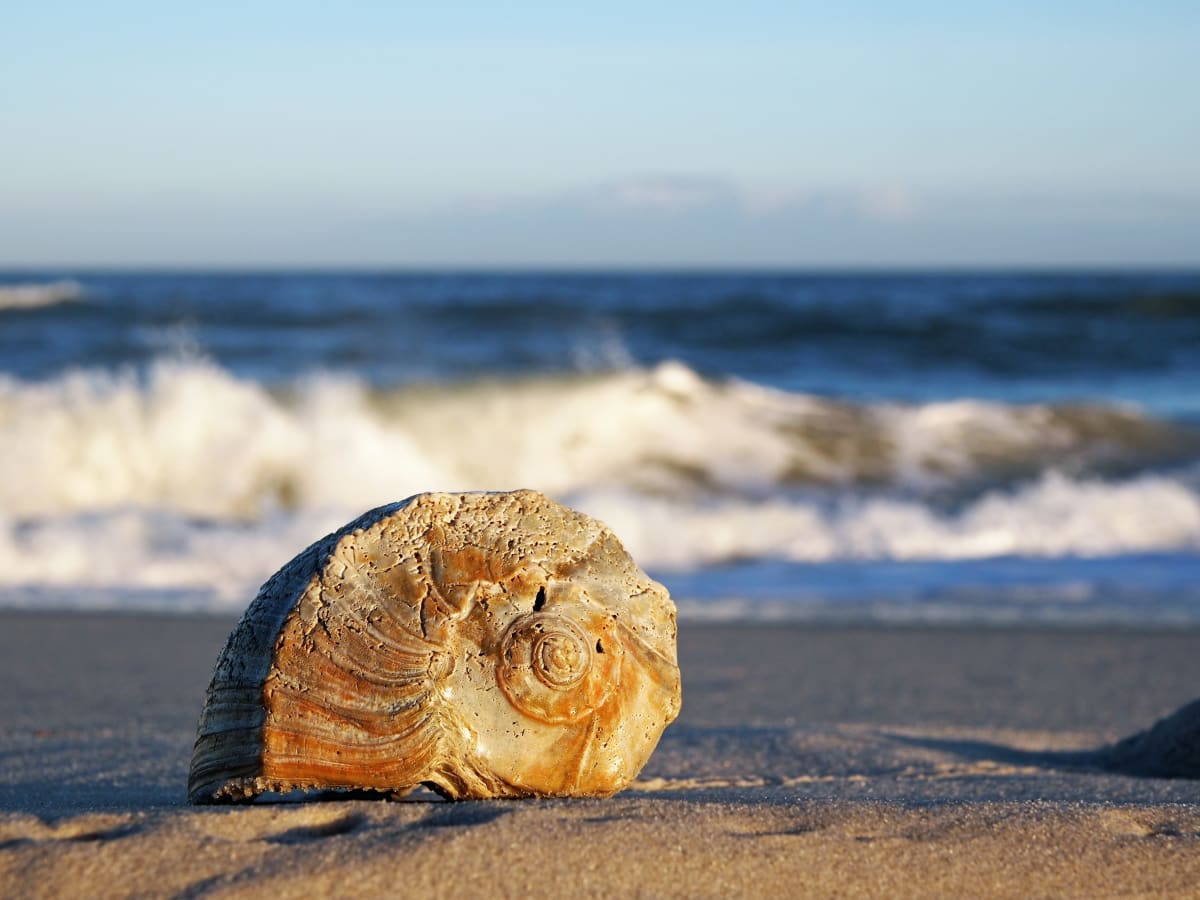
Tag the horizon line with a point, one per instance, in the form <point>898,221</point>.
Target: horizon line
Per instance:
<point>582,268</point>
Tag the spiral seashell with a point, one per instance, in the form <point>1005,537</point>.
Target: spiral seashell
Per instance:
<point>550,670</point>
<point>485,645</point>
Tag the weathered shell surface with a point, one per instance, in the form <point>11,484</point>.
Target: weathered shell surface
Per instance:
<point>486,645</point>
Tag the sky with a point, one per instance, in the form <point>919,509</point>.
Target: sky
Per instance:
<point>631,134</point>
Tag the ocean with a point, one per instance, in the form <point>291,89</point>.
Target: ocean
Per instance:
<point>978,447</point>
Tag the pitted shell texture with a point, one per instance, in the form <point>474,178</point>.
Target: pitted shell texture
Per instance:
<point>485,645</point>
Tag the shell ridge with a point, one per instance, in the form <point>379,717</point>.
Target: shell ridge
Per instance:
<point>352,715</point>
<point>390,642</point>
<point>378,767</point>
<point>340,649</point>
<point>375,705</point>
<point>364,745</point>
<point>375,590</point>
<point>654,660</point>
<point>583,752</point>
<point>245,661</point>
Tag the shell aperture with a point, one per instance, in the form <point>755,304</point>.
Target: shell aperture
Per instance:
<point>485,645</point>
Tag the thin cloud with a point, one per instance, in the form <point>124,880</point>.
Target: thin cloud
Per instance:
<point>873,203</point>
<point>667,193</point>
<point>681,195</point>
<point>639,220</point>
<point>891,203</point>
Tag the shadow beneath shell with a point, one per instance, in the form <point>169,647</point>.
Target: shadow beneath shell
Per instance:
<point>419,794</point>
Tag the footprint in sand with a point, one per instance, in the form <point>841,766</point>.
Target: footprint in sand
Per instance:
<point>280,823</point>
<point>303,833</point>
<point>1143,824</point>
<point>303,822</point>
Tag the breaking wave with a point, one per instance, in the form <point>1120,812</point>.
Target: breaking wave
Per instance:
<point>31,296</point>
<point>190,437</point>
<point>185,480</point>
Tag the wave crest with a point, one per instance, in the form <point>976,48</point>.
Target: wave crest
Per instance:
<point>189,436</point>
<point>31,296</point>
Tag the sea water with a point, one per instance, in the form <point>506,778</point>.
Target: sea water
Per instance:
<point>914,446</point>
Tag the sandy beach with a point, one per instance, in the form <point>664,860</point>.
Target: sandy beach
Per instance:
<point>809,760</point>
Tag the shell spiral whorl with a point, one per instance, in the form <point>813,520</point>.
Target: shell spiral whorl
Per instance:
<point>550,671</point>
<point>560,659</point>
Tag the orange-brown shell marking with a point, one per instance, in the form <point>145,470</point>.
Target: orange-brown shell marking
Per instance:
<point>485,645</point>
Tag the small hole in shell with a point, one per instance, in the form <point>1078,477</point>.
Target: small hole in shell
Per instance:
<point>540,600</point>
<point>599,646</point>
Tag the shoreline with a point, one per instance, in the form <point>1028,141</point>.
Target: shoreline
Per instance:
<point>867,760</point>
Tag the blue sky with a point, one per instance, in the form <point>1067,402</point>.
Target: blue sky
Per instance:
<point>679,134</point>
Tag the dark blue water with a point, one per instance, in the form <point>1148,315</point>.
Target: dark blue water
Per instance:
<point>911,336</point>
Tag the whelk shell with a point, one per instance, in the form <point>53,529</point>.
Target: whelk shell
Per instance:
<point>484,645</point>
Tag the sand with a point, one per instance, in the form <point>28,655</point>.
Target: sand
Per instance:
<point>814,761</point>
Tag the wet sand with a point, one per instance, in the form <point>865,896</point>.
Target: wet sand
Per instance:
<point>808,760</point>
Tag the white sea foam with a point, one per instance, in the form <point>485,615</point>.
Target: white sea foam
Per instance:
<point>188,480</point>
<point>147,552</point>
<point>223,562</point>
<point>190,437</point>
<point>29,296</point>
<point>1056,516</point>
